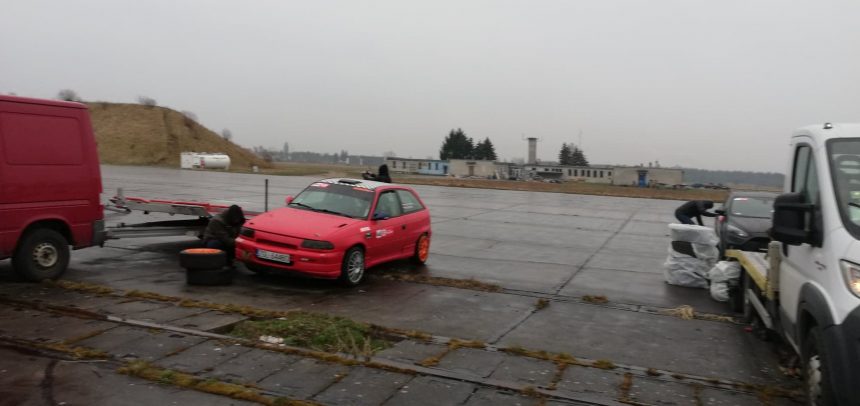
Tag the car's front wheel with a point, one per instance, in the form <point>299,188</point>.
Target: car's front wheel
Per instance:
<point>352,268</point>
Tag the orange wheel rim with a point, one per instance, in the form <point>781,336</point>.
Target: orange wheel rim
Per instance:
<point>423,248</point>
<point>201,251</point>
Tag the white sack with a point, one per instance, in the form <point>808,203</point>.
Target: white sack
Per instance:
<point>720,275</point>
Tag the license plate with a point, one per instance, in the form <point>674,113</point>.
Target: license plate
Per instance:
<point>273,256</point>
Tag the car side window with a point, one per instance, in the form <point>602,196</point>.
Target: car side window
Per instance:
<point>389,204</point>
<point>409,202</point>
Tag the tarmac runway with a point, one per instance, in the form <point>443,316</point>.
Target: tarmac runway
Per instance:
<point>557,247</point>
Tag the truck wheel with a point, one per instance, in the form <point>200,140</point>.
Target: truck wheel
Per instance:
<point>422,250</point>
<point>42,254</point>
<point>352,268</point>
<point>816,370</point>
<point>202,258</point>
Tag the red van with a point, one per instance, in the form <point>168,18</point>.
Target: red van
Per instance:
<point>50,185</point>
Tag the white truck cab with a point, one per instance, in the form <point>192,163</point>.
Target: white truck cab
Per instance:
<point>817,220</point>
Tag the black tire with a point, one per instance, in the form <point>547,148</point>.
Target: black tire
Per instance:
<point>736,292</point>
<point>749,312</point>
<point>210,277</point>
<point>42,254</point>
<point>350,275</point>
<point>202,258</point>
<point>417,257</point>
<point>816,370</point>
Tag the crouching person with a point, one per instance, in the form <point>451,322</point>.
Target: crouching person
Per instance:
<point>222,231</point>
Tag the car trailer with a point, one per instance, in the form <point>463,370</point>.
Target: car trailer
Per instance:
<point>759,285</point>
<point>188,227</point>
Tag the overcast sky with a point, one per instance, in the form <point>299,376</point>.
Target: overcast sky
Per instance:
<point>710,84</point>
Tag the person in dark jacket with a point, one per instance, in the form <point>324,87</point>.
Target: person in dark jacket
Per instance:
<point>222,230</point>
<point>382,176</point>
<point>694,208</point>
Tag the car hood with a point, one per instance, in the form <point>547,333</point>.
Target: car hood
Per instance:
<point>751,225</point>
<point>298,223</point>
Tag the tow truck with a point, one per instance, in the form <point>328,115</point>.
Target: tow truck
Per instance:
<point>806,287</point>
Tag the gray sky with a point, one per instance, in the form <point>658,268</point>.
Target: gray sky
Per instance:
<point>710,84</point>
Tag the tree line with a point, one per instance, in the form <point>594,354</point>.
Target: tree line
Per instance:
<point>458,146</point>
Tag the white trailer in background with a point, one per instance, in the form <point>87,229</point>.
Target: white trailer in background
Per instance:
<point>204,160</point>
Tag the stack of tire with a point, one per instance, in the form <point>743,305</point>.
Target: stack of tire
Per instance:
<point>206,266</point>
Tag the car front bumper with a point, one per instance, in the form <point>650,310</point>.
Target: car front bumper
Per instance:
<point>318,264</point>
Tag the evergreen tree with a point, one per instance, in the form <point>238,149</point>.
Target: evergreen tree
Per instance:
<point>565,156</point>
<point>577,157</point>
<point>487,150</point>
<point>457,146</point>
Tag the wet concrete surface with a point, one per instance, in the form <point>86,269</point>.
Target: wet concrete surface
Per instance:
<point>529,243</point>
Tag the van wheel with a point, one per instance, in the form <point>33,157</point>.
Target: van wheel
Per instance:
<point>352,268</point>
<point>42,254</point>
<point>816,370</point>
<point>422,249</point>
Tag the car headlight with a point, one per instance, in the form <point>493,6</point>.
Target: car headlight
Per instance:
<point>317,245</point>
<point>736,231</point>
<point>852,276</point>
<point>247,232</point>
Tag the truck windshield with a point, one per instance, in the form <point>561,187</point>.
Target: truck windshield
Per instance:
<point>844,157</point>
<point>759,207</point>
<point>343,200</point>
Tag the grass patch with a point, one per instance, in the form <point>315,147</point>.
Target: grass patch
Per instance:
<point>315,331</point>
<point>81,287</point>
<point>470,283</point>
<point>596,299</point>
<point>144,370</point>
<point>626,384</point>
<point>684,311</point>
<point>603,364</point>
<point>653,372</point>
<point>139,294</point>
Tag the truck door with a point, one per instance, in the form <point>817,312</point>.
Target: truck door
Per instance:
<point>804,262</point>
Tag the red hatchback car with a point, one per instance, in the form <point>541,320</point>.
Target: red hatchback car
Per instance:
<point>336,228</point>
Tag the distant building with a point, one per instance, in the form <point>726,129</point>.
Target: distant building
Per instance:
<point>417,166</point>
<point>644,177</point>
<point>482,169</point>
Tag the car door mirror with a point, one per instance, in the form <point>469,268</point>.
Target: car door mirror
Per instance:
<point>790,219</point>
<point>288,200</point>
<point>381,215</point>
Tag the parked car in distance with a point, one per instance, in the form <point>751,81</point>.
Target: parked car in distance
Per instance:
<point>336,228</point>
<point>50,185</point>
<point>744,221</point>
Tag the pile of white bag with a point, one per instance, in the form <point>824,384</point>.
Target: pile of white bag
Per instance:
<point>691,271</point>
<point>720,275</point>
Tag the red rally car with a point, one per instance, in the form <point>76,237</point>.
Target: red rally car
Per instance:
<point>336,228</point>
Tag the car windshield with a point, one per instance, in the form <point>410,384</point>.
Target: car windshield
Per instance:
<point>343,200</point>
<point>845,166</point>
<point>758,207</point>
